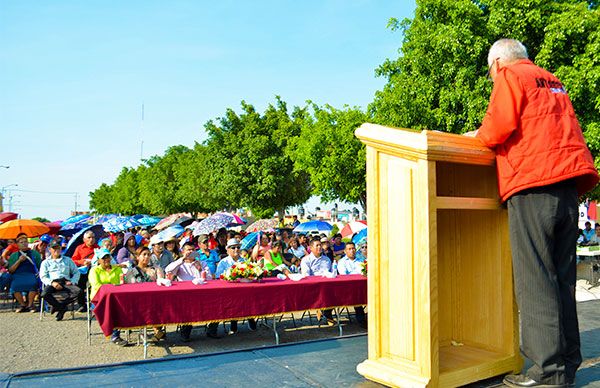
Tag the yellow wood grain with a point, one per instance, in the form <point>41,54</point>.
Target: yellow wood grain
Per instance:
<point>441,303</point>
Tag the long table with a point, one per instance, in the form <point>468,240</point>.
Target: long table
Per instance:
<point>141,305</point>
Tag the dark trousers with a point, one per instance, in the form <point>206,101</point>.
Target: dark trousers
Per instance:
<point>82,284</point>
<point>59,299</point>
<point>543,234</point>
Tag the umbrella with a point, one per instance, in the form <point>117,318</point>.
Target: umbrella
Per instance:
<point>54,227</point>
<point>147,220</point>
<point>105,217</point>
<point>249,241</point>
<point>8,216</point>
<point>266,224</point>
<point>77,238</point>
<point>353,227</point>
<point>167,234</point>
<point>360,237</point>
<point>313,226</point>
<point>119,224</point>
<point>173,219</point>
<point>217,221</point>
<point>32,228</point>
<point>76,219</point>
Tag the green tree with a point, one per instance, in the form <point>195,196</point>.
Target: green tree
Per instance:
<point>438,82</point>
<point>331,154</point>
<point>249,159</point>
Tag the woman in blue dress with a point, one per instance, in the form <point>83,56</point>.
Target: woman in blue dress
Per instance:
<point>24,268</point>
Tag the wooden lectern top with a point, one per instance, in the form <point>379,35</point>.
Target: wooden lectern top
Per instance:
<point>429,145</point>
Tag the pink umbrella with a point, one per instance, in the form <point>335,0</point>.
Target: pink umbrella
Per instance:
<point>173,219</point>
<point>353,227</point>
<point>7,216</point>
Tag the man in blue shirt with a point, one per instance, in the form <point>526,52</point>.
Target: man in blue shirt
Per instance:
<point>207,256</point>
<point>59,275</point>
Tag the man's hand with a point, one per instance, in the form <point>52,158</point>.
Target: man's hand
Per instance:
<point>57,286</point>
<point>68,283</point>
<point>471,133</point>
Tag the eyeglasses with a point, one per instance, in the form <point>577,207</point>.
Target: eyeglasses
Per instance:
<point>489,72</point>
<point>236,247</point>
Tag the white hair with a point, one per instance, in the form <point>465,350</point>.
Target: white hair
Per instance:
<point>508,50</point>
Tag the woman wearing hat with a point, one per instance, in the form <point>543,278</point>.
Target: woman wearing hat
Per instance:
<point>106,273</point>
<point>23,266</point>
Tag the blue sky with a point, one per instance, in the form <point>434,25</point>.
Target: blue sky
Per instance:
<point>74,76</point>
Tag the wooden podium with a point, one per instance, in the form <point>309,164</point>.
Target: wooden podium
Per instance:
<point>441,305</point>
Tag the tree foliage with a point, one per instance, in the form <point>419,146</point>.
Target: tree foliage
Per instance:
<point>333,157</point>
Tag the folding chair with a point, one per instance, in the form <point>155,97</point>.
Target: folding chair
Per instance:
<point>44,306</point>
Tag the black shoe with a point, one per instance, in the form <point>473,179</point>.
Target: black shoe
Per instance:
<point>60,314</point>
<point>82,309</point>
<point>252,324</point>
<point>517,381</point>
<point>185,333</point>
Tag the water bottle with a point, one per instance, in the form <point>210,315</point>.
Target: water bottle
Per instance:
<point>334,268</point>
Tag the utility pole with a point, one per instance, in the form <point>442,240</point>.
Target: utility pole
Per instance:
<point>142,136</point>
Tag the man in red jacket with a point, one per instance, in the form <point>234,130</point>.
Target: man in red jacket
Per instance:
<point>83,257</point>
<point>543,165</point>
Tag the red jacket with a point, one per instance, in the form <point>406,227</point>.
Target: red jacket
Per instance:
<point>83,253</point>
<point>531,124</point>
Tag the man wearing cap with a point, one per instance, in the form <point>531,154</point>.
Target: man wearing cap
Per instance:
<point>233,256</point>
<point>207,256</point>
<point>59,275</point>
<point>160,256</point>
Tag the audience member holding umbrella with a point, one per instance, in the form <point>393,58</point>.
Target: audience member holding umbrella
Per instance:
<point>127,253</point>
<point>24,269</point>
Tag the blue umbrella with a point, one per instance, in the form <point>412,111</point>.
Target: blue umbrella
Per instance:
<point>78,238</point>
<point>105,217</point>
<point>119,224</point>
<point>145,220</point>
<point>250,241</point>
<point>314,226</point>
<point>360,237</point>
<point>76,219</point>
<point>167,234</point>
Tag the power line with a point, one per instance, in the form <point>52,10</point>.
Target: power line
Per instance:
<point>46,192</point>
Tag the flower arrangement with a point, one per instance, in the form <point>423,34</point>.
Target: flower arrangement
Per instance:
<point>364,268</point>
<point>244,272</point>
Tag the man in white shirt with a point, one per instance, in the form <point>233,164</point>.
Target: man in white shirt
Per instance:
<point>316,264</point>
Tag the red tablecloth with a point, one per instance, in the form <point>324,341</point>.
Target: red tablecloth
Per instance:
<point>146,304</point>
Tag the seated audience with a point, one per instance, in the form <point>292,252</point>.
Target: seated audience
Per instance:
<point>185,269</point>
<point>350,265</point>
<point>106,273</point>
<point>59,276</point>
<point>23,266</point>
<point>233,256</point>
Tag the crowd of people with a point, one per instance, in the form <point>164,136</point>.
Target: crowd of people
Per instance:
<point>30,270</point>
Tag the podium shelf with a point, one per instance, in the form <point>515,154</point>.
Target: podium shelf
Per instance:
<point>462,364</point>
